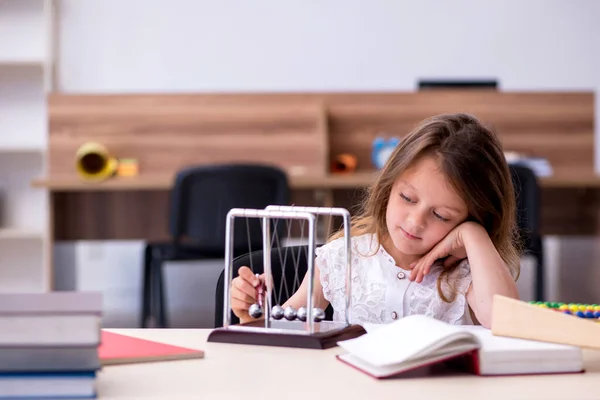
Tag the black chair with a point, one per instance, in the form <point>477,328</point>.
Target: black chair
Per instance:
<point>200,200</point>
<point>528,218</point>
<point>283,269</point>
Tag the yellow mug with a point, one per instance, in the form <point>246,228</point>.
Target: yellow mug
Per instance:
<point>93,162</point>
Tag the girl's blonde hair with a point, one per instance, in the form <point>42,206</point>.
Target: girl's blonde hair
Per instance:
<point>471,157</point>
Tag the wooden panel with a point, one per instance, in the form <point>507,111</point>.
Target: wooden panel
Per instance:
<point>166,132</point>
<point>111,215</point>
<point>303,131</point>
<point>570,211</point>
<point>558,126</point>
<point>299,131</point>
<point>124,215</point>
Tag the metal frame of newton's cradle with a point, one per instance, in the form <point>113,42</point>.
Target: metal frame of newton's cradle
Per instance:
<point>270,332</point>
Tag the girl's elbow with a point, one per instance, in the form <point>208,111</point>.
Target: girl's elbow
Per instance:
<point>484,311</point>
<point>484,318</point>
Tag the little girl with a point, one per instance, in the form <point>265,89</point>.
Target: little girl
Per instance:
<point>436,236</point>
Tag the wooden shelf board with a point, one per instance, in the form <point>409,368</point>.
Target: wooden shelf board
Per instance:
<point>341,181</point>
<point>164,182</point>
<point>21,150</point>
<point>25,62</point>
<point>16,233</point>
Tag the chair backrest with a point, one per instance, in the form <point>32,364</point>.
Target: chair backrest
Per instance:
<point>203,195</point>
<point>288,267</point>
<point>528,199</point>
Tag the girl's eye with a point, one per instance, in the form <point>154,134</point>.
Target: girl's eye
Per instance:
<point>438,216</point>
<point>406,198</point>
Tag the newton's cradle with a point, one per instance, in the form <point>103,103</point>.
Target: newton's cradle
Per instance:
<point>305,327</point>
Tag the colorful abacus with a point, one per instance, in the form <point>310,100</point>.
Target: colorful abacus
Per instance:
<point>588,311</point>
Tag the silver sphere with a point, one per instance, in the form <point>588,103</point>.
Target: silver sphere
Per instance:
<point>318,314</point>
<point>277,312</point>
<point>255,311</point>
<point>290,313</point>
<point>301,314</point>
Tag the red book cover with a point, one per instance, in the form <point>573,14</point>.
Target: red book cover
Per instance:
<point>121,349</point>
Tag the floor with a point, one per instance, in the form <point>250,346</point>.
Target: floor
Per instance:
<point>572,275</point>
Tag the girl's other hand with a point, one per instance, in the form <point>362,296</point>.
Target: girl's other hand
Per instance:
<point>451,247</point>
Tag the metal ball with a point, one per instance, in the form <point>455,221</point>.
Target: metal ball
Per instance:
<point>318,314</point>
<point>301,314</point>
<point>277,312</point>
<point>290,313</point>
<point>255,311</point>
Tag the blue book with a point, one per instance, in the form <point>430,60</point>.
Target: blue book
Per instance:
<point>56,385</point>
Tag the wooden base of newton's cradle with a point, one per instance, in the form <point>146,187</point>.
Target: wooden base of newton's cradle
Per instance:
<point>286,334</point>
<point>515,318</point>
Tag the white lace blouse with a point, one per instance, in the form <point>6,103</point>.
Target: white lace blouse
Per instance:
<point>381,291</point>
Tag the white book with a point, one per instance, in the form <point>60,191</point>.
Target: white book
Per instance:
<point>67,302</point>
<point>49,330</point>
<point>419,342</point>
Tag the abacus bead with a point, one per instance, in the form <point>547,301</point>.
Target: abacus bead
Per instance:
<point>596,308</point>
<point>597,314</point>
<point>573,308</point>
<point>563,307</point>
<point>589,314</point>
<point>580,314</point>
<point>567,312</point>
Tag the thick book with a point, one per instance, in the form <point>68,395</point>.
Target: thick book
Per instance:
<point>46,330</point>
<point>49,358</point>
<point>58,385</point>
<point>122,349</point>
<point>51,303</point>
<point>422,343</point>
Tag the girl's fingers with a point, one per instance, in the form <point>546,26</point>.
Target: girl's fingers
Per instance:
<point>241,296</point>
<point>245,287</point>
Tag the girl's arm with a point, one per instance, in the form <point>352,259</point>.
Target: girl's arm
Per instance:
<point>489,273</point>
<point>298,299</point>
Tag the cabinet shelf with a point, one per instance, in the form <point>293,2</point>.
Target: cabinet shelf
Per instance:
<point>18,233</point>
<point>21,150</point>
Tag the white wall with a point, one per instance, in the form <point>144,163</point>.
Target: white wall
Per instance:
<point>268,45</point>
<point>191,45</point>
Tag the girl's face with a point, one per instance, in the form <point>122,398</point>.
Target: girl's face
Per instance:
<point>423,208</point>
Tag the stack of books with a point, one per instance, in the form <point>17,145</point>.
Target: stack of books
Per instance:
<point>49,344</point>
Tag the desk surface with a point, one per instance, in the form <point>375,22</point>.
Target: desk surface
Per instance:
<point>256,372</point>
<point>334,181</point>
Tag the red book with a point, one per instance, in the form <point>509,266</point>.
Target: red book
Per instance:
<point>422,345</point>
<point>121,349</point>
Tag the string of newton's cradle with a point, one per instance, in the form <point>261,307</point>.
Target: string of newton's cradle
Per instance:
<point>277,311</point>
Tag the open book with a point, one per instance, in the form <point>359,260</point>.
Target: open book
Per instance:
<point>416,342</point>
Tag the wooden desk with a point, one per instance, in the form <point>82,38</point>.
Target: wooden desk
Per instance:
<point>254,372</point>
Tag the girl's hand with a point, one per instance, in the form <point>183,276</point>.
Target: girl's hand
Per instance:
<point>244,292</point>
<point>451,247</point>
